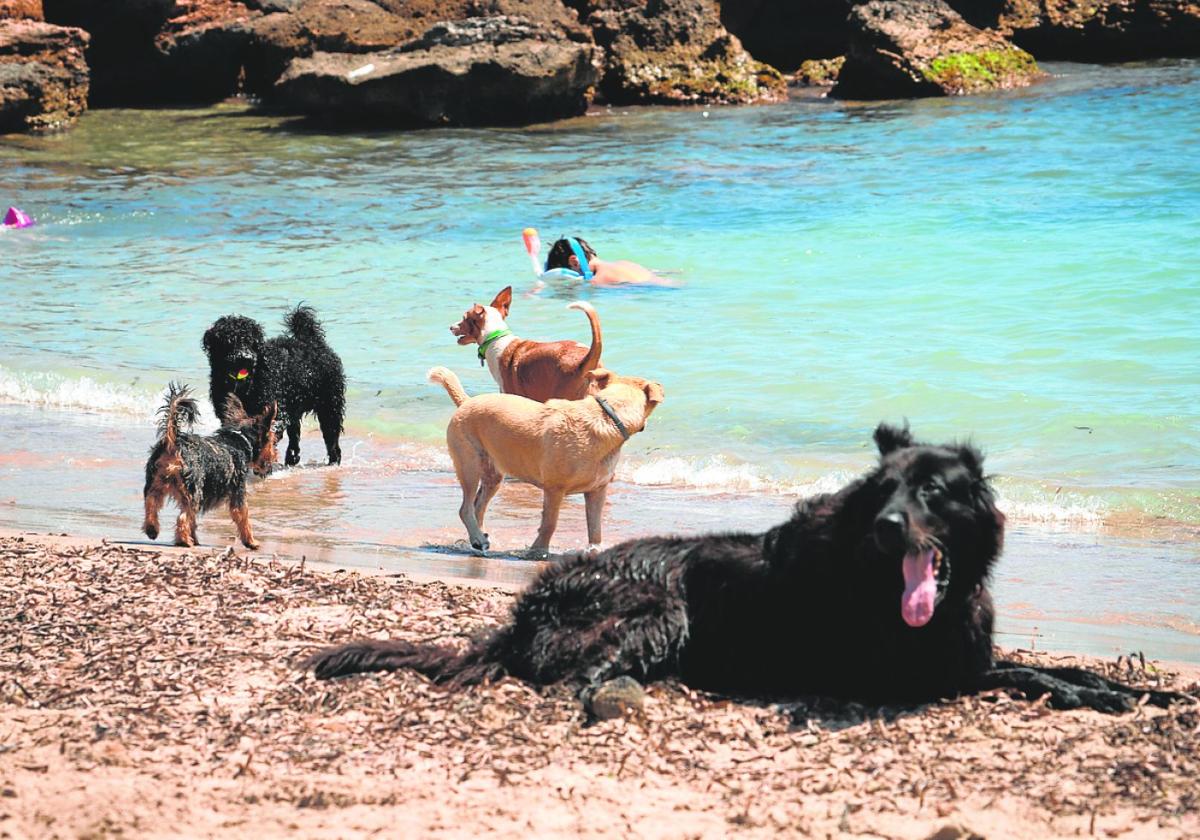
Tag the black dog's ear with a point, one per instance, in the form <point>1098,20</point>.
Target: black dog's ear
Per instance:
<point>209,338</point>
<point>972,459</point>
<point>890,438</point>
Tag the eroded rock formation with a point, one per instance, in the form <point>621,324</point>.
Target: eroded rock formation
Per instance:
<point>673,51</point>
<point>479,71</point>
<point>43,75</point>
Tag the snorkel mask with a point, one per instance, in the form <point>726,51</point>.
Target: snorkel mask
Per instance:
<point>584,269</point>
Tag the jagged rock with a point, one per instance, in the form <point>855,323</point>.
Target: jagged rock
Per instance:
<point>819,72</point>
<point>203,50</point>
<point>675,51</point>
<point>21,10</point>
<point>479,71</point>
<point>359,26</point>
<point>1092,30</point>
<point>43,75</point>
<point>925,48</point>
<point>353,26</point>
<point>786,33</point>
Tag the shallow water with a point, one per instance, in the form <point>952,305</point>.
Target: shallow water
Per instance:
<point>1018,269</point>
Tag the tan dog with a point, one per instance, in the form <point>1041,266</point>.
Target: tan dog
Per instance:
<point>539,370</point>
<point>561,446</point>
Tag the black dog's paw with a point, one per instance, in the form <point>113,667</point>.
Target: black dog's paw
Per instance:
<point>613,699</point>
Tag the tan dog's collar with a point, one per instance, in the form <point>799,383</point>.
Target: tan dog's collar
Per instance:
<point>612,415</point>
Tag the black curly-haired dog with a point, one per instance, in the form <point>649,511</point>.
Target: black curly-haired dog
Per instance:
<point>298,371</point>
<point>201,472</point>
<point>877,592</point>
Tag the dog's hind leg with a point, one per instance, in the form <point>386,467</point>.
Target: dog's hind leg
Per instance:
<point>468,467</point>
<point>189,511</point>
<point>155,496</point>
<point>594,507</point>
<point>552,500</point>
<point>621,651</point>
<point>241,518</point>
<point>1070,688</point>
<point>293,448</point>
<point>331,429</point>
<point>185,527</point>
<point>489,483</point>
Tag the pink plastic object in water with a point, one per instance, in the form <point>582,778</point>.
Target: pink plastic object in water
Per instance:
<point>14,218</point>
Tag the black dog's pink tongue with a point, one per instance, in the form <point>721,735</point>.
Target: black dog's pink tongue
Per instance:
<point>920,588</point>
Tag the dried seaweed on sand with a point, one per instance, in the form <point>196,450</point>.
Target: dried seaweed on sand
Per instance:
<point>149,692</point>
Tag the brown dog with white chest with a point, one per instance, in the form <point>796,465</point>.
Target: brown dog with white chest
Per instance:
<point>539,370</point>
<point>561,446</point>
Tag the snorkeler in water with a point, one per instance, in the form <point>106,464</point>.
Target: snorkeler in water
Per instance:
<point>574,253</point>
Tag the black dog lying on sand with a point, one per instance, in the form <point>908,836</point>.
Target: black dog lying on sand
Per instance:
<point>297,370</point>
<point>877,592</point>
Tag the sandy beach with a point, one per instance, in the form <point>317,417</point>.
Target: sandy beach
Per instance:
<point>153,692</point>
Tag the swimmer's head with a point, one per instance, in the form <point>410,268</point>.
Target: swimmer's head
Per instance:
<point>561,255</point>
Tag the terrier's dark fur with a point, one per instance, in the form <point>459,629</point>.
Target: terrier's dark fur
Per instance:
<point>298,371</point>
<point>816,606</point>
<point>201,472</point>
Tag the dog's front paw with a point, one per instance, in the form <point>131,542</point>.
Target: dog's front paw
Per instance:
<point>481,545</point>
<point>615,698</point>
<point>151,531</point>
<point>537,553</point>
<point>594,549</point>
<point>251,544</point>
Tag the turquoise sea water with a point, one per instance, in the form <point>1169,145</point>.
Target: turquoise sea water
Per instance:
<point>1020,269</point>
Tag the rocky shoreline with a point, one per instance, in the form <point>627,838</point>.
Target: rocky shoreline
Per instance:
<point>148,689</point>
<point>411,63</point>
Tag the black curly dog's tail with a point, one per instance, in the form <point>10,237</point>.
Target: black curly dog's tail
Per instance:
<point>179,409</point>
<point>302,323</point>
<point>481,662</point>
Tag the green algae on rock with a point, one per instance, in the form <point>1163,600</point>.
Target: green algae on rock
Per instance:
<point>819,72</point>
<point>925,48</point>
<point>962,73</point>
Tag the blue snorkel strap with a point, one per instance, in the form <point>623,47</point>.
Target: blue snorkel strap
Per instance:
<point>584,268</point>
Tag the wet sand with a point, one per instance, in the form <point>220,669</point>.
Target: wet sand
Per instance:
<point>152,692</point>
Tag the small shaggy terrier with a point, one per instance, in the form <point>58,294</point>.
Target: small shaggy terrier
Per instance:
<point>877,592</point>
<point>297,370</point>
<point>201,472</point>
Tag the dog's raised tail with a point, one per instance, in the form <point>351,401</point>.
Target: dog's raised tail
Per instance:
<point>179,409</point>
<point>592,360</point>
<point>450,381</point>
<point>302,323</point>
<point>441,664</point>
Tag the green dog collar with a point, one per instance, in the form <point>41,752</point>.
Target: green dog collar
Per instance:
<point>483,345</point>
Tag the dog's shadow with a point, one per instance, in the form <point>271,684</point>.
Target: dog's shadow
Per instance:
<point>461,548</point>
<point>833,715</point>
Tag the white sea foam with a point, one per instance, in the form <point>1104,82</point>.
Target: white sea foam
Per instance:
<point>52,390</point>
<point>1074,511</point>
<point>718,474</point>
<point>721,475</point>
